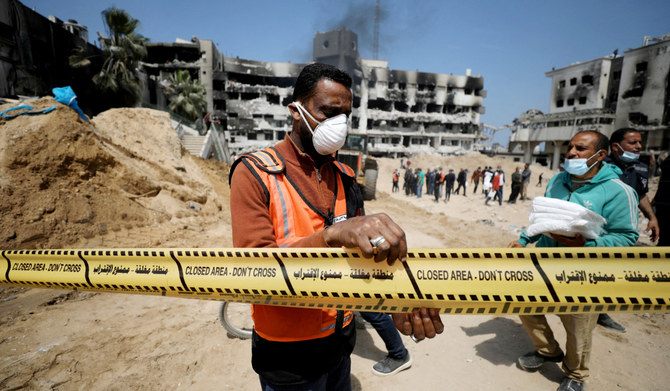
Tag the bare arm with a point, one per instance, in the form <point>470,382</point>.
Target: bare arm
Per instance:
<point>648,212</point>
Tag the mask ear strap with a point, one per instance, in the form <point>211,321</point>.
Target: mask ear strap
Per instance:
<point>307,112</point>
<point>594,155</point>
<point>300,109</point>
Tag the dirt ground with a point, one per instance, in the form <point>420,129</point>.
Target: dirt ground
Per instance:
<point>125,181</point>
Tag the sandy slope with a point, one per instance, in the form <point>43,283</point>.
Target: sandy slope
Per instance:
<point>65,340</point>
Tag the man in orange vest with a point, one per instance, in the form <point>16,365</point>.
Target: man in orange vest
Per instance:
<point>496,188</point>
<point>296,194</point>
<point>396,177</point>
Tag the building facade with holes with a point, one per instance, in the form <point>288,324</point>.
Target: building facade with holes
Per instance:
<point>604,94</point>
<point>400,112</point>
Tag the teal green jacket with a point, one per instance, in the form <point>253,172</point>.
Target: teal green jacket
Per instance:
<point>607,196</point>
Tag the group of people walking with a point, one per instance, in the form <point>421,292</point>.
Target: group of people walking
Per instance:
<point>435,179</point>
<point>493,181</point>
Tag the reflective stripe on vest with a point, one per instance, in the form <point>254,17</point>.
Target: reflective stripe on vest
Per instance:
<point>292,219</point>
<point>347,318</point>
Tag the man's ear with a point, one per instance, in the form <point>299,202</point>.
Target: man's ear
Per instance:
<point>294,111</point>
<point>602,154</point>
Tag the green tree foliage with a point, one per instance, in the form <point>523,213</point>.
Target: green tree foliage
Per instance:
<point>123,50</point>
<point>118,80</point>
<point>186,96</point>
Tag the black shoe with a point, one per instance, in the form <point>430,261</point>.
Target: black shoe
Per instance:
<point>605,321</point>
<point>532,361</point>
<point>570,385</point>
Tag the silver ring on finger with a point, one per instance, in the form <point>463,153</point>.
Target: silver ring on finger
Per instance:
<point>377,241</point>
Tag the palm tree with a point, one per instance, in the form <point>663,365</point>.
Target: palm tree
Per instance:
<point>123,49</point>
<point>186,96</point>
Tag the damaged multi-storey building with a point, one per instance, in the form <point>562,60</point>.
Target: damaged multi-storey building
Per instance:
<point>34,53</point>
<point>399,112</point>
<point>606,94</point>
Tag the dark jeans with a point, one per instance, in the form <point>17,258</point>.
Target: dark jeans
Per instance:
<point>302,362</point>
<point>386,329</point>
<point>339,379</point>
<point>447,192</point>
<point>499,195</point>
<point>516,188</point>
<point>459,188</point>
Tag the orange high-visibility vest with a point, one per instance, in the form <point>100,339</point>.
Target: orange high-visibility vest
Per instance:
<point>293,217</point>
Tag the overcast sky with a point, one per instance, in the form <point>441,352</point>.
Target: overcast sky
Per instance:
<point>510,43</point>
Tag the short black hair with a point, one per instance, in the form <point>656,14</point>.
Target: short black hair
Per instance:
<point>602,142</point>
<point>310,76</point>
<point>619,134</point>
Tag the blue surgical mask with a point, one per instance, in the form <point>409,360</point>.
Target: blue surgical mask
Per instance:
<point>578,167</point>
<point>628,157</point>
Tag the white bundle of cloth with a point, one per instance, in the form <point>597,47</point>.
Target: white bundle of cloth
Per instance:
<point>549,215</point>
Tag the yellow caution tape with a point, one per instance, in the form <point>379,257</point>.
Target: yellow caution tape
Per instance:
<point>456,281</point>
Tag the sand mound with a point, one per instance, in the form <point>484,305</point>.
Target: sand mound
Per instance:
<point>63,180</point>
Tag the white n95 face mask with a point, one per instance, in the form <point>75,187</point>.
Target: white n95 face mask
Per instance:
<point>329,135</point>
